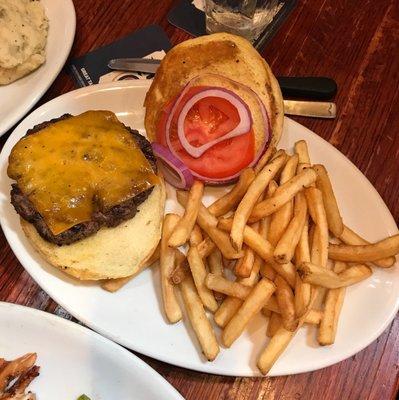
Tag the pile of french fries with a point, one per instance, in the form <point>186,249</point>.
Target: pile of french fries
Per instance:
<point>280,232</point>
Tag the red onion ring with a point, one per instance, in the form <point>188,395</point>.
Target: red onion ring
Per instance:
<point>232,178</point>
<point>243,126</point>
<point>175,171</point>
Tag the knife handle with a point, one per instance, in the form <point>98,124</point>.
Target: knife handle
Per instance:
<point>317,88</point>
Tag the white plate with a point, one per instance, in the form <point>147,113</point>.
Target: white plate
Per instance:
<point>17,98</point>
<point>133,315</point>
<point>74,360</point>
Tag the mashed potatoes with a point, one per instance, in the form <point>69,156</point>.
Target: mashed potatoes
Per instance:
<point>23,36</point>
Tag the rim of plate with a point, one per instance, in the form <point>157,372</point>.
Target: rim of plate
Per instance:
<point>70,325</point>
<point>359,346</point>
<point>34,99</point>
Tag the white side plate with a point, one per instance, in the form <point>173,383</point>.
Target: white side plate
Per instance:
<point>74,360</point>
<point>133,316</point>
<point>17,98</point>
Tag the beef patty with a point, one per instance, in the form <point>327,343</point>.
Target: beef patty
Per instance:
<point>113,217</point>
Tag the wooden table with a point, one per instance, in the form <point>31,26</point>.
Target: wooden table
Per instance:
<point>355,42</point>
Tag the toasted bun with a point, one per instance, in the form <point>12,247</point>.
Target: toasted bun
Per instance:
<point>111,252</point>
<point>220,53</point>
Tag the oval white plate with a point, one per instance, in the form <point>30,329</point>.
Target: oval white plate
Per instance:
<point>133,315</point>
<point>74,360</point>
<point>17,98</point>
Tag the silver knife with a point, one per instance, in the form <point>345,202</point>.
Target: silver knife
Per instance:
<point>316,109</point>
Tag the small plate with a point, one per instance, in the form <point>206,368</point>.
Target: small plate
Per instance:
<point>133,316</point>
<point>17,98</point>
<point>74,360</point>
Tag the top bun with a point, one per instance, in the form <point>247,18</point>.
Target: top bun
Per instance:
<point>221,53</point>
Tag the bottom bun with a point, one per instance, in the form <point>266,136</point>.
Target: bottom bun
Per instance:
<point>111,252</point>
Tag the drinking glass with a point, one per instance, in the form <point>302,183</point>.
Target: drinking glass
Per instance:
<point>247,18</point>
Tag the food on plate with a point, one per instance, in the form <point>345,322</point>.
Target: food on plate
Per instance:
<point>184,227</point>
<point>88,195</point>
<point>83,397</point>
<point>16,375</point>
<point>166,262</point>
<point>212,98</point>
<point>287,277</point>
<point>23,38</point>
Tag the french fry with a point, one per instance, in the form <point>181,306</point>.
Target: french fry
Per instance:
<point>215,263</point>
<point>183,229</point>
<point>230,200</point>
<point>283,194</point>
<point>226,310</point>
<point>264,225</point>
<point>350,237</point>
<point>231,304</point>
<point>354,274</point>
<point>281,218</point>
<point>199,273</point>
<point>279,342</point>
<point>267,271</point>
<point>301,148</point>
<point>254,275</point>
<point>272,305</point>
<point>181,268</point>
<point>222,241</point>
<point>323,277</point>
<point>334,218</point>
<point>196,236</point>
<point>251,306</point>
<point>313,317</point>
<point>208,223</point>
<point>250,198</point>
<point>365,253</point>
<point>206,247</point>
<point>273,325</point>
<point>302,296</point>
<point>167,257</point>
<point>244,265</point>
<point>319,250</point>
<point>284,251</point>
<point>276,346</point>
<point>199,321</point>
<point>251,238</point>
<point>287,271</point>
<point>332,308</point>
<point>112,285</point>
<point>204,217</point>
<point>229,288</point>
<point>302,254</point>
<point>285,300</point>
<point>264,249</point>
<point>269,153</point>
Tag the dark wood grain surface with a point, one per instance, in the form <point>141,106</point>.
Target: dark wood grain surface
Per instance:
<point>356,43</point>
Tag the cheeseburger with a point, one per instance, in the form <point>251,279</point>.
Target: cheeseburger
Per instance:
<point>88,194</point>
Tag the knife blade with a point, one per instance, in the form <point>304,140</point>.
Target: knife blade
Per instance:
<point>315,109</point>
<point>135,64</point>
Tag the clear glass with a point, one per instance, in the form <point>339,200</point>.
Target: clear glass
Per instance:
<point>247,18</point>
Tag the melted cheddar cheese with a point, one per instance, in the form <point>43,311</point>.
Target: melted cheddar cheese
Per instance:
<point>80,165</point>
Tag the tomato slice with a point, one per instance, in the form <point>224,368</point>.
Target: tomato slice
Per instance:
<point>207,120</point>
